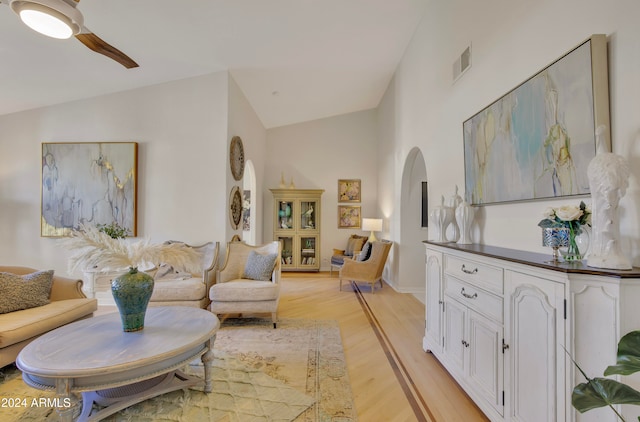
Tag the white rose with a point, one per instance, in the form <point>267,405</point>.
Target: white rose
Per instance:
<point>569,213</point>
<point>549,213</point>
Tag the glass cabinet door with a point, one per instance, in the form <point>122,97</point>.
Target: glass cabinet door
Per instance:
<point>308,253</point>
<point>308,210</point>
<point>285,215</point>
<point>287,251</point>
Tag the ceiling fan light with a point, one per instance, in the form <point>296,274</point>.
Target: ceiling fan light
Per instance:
<point>46,24</point>
<point>53,18</point>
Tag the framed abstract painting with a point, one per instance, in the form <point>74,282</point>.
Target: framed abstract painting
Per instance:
<point>349,190</point>
<point>88,183</point>
<point>349,217</point>
<point>536,141</point>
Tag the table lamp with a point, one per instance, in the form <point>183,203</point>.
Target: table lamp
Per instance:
<point>372,225</point>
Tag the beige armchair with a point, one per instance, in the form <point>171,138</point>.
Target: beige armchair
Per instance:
<point>234,293</point>
<point>369,271</point>
<point>173,287</point>
<point>353,248</point>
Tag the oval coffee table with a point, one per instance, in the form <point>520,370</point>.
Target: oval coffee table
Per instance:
<point>114,368</point>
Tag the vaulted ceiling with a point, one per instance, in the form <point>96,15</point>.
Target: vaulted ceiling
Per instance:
<point>295,60</point>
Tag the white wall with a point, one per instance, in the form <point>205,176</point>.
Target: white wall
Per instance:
<point>511,41</point>
<point>318,153</point>
<point>181,128</point>
<point>244,122</point>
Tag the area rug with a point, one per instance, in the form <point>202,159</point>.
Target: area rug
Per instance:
<point>296,373</point>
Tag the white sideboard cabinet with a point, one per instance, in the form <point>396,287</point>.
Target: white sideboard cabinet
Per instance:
<point>499,320</point>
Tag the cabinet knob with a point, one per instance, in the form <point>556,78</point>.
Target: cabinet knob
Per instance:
<point>504,346</point>
<point>465,344</point>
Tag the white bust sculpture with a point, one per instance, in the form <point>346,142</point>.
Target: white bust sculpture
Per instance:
<point>608,180</point>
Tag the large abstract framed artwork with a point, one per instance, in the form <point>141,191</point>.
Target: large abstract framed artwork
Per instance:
<point>88,183</point>
<point>537,140</point>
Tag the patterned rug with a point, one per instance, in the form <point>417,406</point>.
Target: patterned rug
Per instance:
<point>296,373</point>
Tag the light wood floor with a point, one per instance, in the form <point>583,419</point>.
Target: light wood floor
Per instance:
<point>392,378</point>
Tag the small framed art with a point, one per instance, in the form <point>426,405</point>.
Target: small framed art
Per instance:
<point>349,190</point>
<point>349,217</point>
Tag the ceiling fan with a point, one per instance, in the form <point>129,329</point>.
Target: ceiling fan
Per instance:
<point>61,19</point>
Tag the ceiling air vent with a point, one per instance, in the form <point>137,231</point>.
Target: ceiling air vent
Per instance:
<point>461,64</point>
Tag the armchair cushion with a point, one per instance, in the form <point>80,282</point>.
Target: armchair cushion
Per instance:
<point>259,267</point>
<point>245,291</point>
<point>24,291</point>
<point>191,289</point>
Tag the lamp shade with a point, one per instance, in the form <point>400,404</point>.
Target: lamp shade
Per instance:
<point>372,224</point>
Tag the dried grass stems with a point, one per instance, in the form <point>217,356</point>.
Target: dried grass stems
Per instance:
<point>91,248</point>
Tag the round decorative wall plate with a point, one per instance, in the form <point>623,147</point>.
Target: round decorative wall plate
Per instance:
<point>236,157</point>
<point>235,207</point>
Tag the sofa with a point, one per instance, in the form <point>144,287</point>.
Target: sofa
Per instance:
<point>67,304</point>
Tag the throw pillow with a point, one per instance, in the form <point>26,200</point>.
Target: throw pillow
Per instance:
<point>24,292</point>
<point>349,249</point>
<point>259,267</point>
<point>358,244</point>
<point>365,254</point>
<point>168,272</point>
<point>354,244</point>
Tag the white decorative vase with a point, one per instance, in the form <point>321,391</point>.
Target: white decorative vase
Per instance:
<point>608,181</point>
<point>453,231</point>
<point>464,216</point>
<point>441,217</point>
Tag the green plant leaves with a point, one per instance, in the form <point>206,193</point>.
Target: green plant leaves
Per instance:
<point>599,392</point>
<point>628,360</point>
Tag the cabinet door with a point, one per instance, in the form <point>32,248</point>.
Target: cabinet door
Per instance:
<point>595,322</point>
<point>285,214</point>
<point>536,336</point>
<point>309,210</point>
<point>308,255</point>
<point>455,319</point>
<point>434,303</point>
<point>486,360</point>
<point>288,258</point>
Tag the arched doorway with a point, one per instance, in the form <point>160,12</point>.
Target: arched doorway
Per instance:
<point>249,228</point>
<point>411,274</point>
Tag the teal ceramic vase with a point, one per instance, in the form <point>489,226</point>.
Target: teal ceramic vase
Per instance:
<point>131,292</point>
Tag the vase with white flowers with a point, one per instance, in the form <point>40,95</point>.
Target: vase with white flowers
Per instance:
<point>576,219</point>
<point>92,247</point>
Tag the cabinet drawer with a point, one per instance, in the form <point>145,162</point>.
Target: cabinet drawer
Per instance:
<point>481,275</point>
<point>477,299</point>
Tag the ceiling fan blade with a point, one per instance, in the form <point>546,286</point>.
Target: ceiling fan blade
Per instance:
<point>98,45</point>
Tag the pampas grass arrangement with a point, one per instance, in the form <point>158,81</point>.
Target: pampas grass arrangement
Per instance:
<point>91,247</point>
